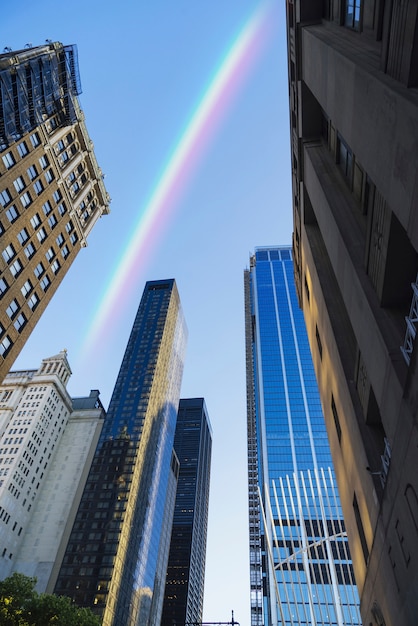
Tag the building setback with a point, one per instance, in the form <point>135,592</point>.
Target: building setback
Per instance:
<point>51,187</point>
<point>114,562</point>
<point>47,441</point>
<point>183,601</point>
<point>353,78</point>
<point>300,564</point>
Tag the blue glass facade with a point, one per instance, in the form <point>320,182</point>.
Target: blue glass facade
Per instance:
<point>301,571</point>
<point>122,518</point>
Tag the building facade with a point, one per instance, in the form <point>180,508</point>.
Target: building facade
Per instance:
<point>51,187</point>
<point>114,561</point>
<point>46,442</point>
<point>183,601</point>
<point>353,78</point>
<point>300,563</point>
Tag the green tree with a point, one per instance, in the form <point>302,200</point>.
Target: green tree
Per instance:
<point>21,605</point>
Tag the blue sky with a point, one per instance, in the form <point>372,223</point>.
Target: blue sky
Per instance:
<point>144,66</point>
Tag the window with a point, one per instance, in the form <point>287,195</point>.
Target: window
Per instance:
<point>69,226</point>
<point>49,176</point>
<point>39,270</point>
<point>71,177</point>
<point>25,199</point>
<point>62,208</point>
<point>318,341</point>
<point>52,221</point>
<point>45,283</point>
<point>60,240</point>
<point>65,252</point>
<point>13,308</point>
<point>76,187</point>
<point>55,266</point>
<point>41,234</point>
<point>5,197</point>
<point>23,236</point>
<point>60,145</point>
<point>352,14</point>
<point>35,221</point>
<point>345,159</point>
<point>8,253</point>
<point>12,214</point>
<point>35,140</point>
<point>8,160</point>
<point>31,172</point>
<point>3,287</point>
<point>73,238</point>
<point>64,157</point>
<point>20,322</point>
<point>22,149</point>
<point>5,346</point>
<point>50,253</point>
<point>43,162</point>
<point>57,195</point>
<point>38,187</point>
<point>26,288</point>
<point>336,418</point>
<point>30,250</point>
<point>19,184</point>
<point>33,301</point>
<point>16,267</point>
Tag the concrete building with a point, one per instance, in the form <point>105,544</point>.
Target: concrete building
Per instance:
<point>51,187</point>
<point>353,78</point>
<point>47,441</point>
<point>183,599</point>
<point>300,565</point>
<point>123,525</point>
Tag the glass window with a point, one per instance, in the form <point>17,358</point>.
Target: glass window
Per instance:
<point>31,172</point>
<point>62,208</point>
<point>25,199</point>
<point>19,184</point>
<point>39,270</point>
<point>352,14</point>
<point>43,161</point>
<point>13,308</point>
<point>23,236</point>
<point>12,214</point>
<point>33,301</point>
<point>26,288</point>
<point>49,176</point>
<point>5,346</point>
<point>57,196</point>
<point>55,266</point>
<point>65,252</point>
<point>38,187</point>
<point>60,240</point>
<point>50,253</point>
<point>3,287</point>
<point>35,140</point>
<point>41,234</point>
<point>45,283</point>
<point>30,250</point>
<point>16,267</point>
<point>20,322</point>
<point>52,221</point>
<point>8,160</point>
<point>46,207</point>
<point>5,197</point>
<point>22,149</point>
<point>8,253</point>
<point>35,221</point>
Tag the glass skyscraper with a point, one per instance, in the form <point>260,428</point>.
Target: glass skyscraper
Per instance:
<point>300,566</point>
<point>117,554</point>
<point>183,601</point>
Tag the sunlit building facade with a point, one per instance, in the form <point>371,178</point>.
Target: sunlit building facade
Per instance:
<point>47,442</point>
<point>300,564</point>
<point>183,601</point>
<point>51,187</point>
<point>116,558</point>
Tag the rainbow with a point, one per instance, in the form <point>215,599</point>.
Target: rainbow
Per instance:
<point>154,217</point>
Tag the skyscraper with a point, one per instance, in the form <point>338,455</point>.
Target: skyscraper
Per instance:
<point>300,565</point>
<point>46,442</point>
<point>353,78</point>
<point>114,560</point>
<point>183,601</point>
<point>51,187</point>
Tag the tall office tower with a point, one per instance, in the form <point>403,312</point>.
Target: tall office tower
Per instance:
<point>353,72</point>
<point>300,565</point>
<point>114,559</point>
<point>183,601</point>
<point>51,187</point>
<point>46,442</point>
